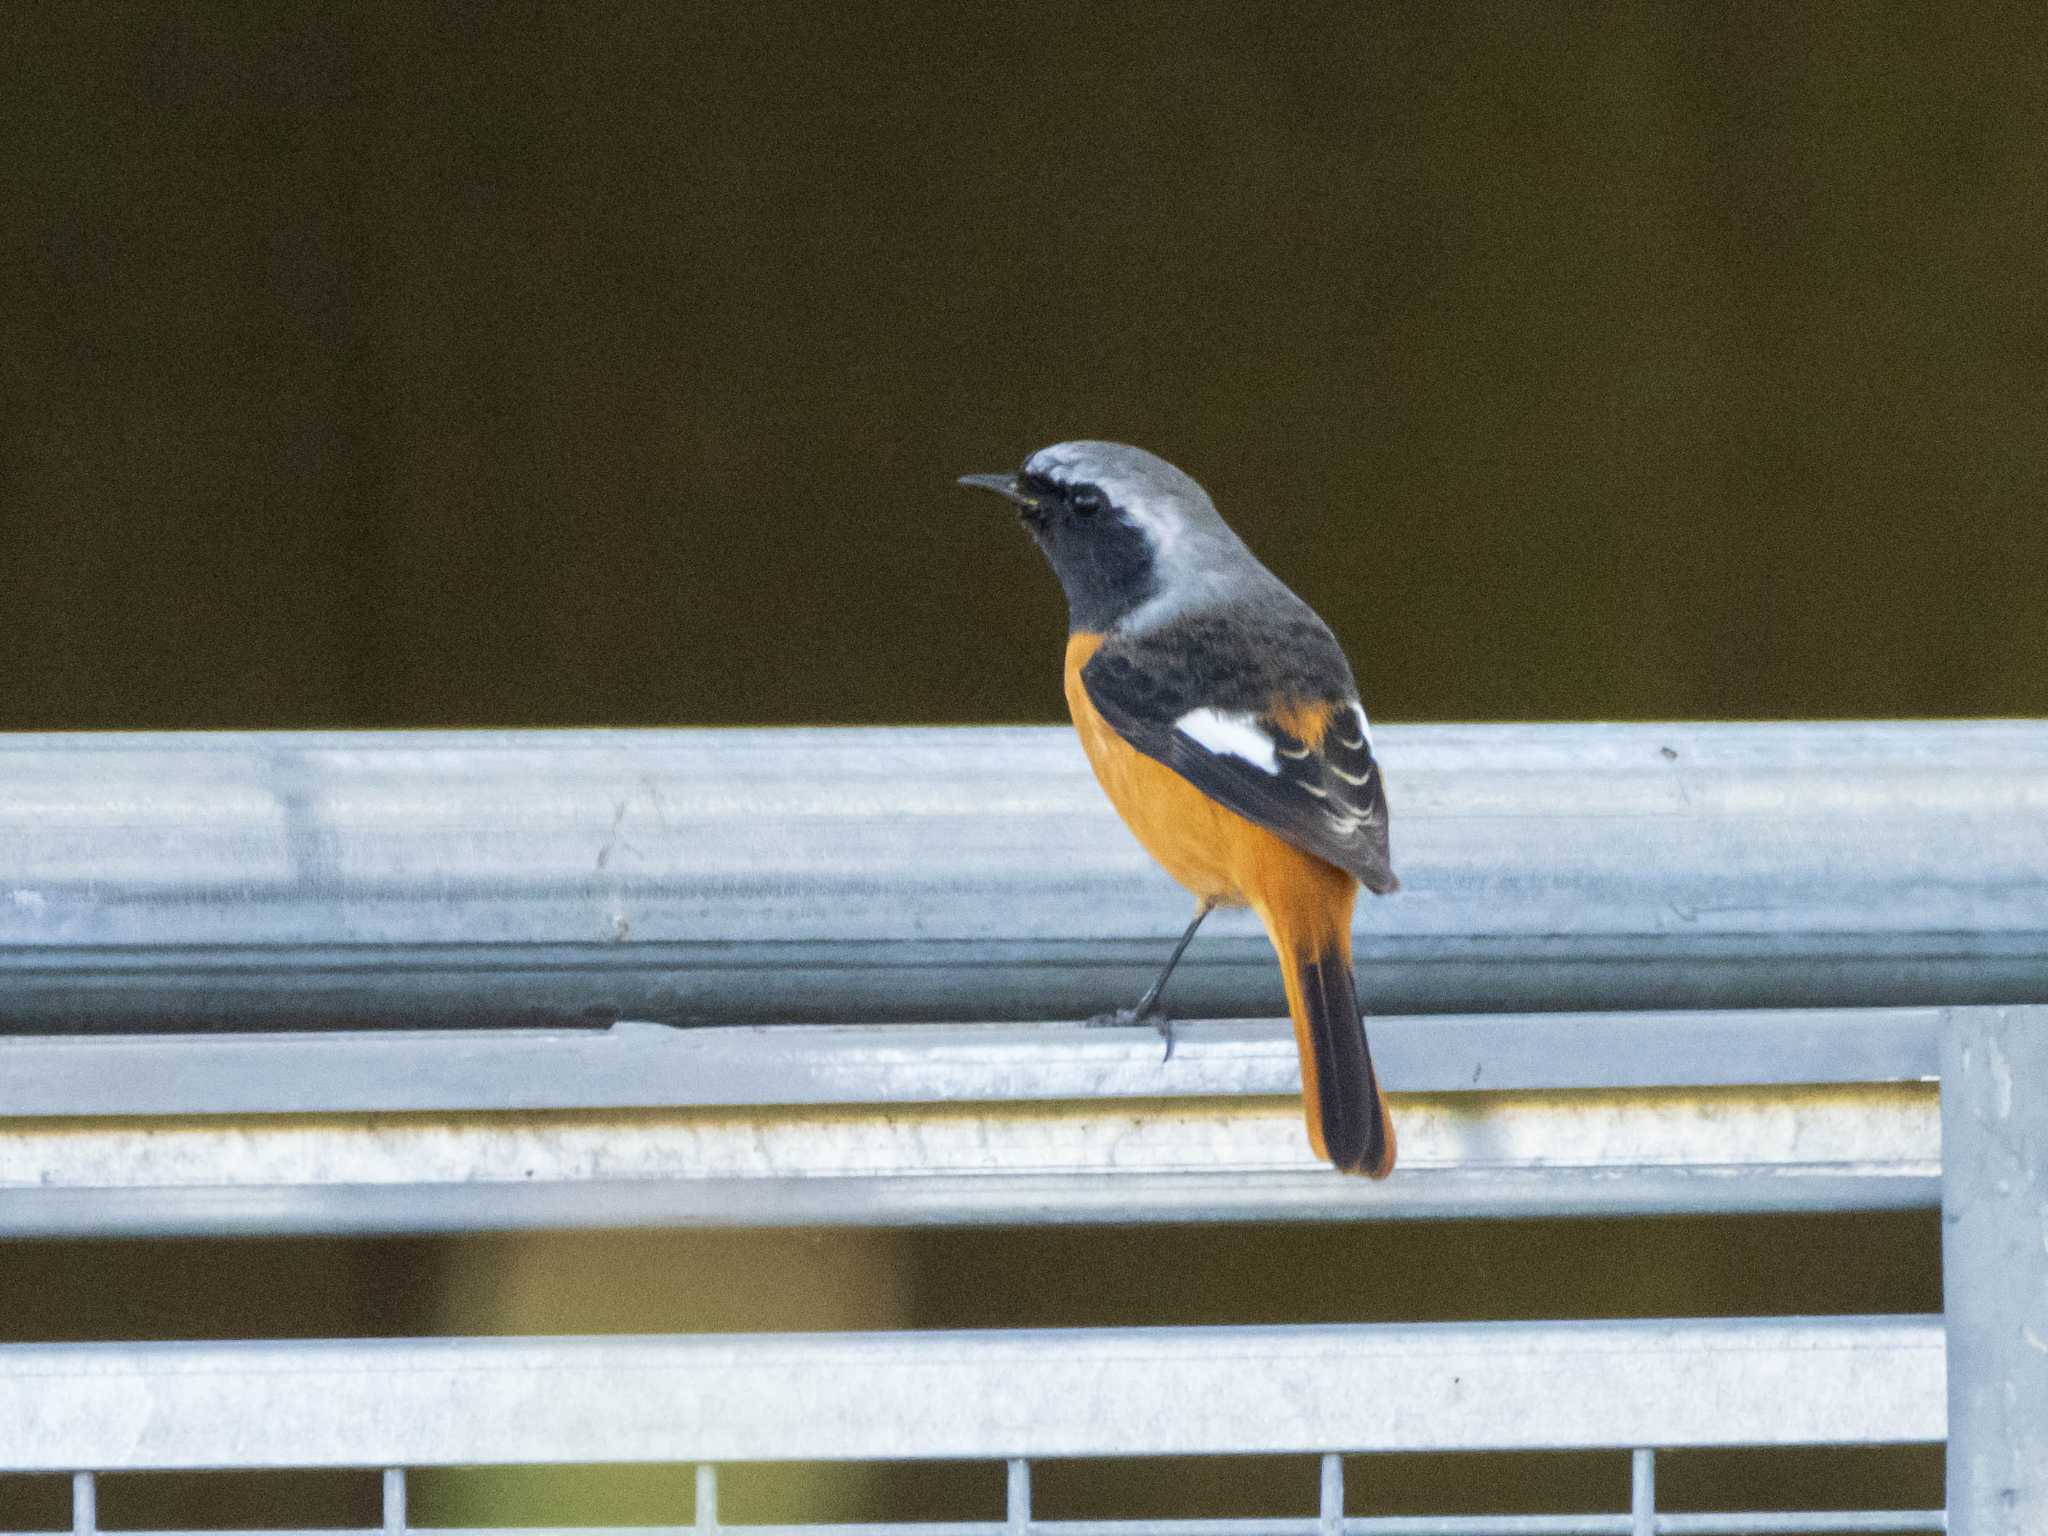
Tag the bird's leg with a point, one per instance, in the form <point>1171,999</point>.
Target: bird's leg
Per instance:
<point>1148,1005</point>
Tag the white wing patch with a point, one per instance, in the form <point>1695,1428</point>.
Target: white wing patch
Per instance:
<point>1231,733</point>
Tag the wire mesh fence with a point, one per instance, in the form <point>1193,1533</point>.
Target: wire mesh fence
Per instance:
<point>1329,1518</point>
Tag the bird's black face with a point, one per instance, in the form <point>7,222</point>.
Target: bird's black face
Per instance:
<point>1103,560</point>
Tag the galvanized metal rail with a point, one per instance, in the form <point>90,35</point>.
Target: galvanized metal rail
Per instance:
<point>1542,1115</point>
<point>1994,1269</point>
<point>310,880</point>
<point>234,882</point>
<point>973,1395</point>
<point>1012,1397</point>
<point>637,1066</point>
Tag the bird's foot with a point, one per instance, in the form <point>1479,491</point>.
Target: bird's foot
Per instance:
<point>1130,1018</point>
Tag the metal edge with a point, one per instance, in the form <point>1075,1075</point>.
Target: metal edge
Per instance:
<point>654,1066</point>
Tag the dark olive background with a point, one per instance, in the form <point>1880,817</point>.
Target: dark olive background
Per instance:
<point>391,365</point>
<point>416,365</point>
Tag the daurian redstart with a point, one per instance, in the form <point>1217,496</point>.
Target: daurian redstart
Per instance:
<point>1223,723</point>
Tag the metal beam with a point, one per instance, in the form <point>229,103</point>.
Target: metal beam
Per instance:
<point>458,878</point>
<point>1994,1197</point>
<point>1140,1392</point>
<point>632,1066</point>
<point>1584,1152</point>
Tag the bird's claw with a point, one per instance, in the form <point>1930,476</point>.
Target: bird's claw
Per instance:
<point>1130,1018</point>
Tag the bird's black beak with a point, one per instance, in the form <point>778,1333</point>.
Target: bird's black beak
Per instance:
<point>1009,487</point>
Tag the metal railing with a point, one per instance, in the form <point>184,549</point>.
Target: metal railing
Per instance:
<point>1011,1396</point>
<point>975,1395</point>
<point>1809,875</point>
<point>1542,1115</point>
<point>1641,1519</point>
<point>1008,1397</point>
<point>731,877</point>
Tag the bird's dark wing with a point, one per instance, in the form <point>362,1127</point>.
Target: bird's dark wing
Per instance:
<point>1292,753</point>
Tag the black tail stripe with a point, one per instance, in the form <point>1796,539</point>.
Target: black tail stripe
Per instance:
<point>1349,1095</point>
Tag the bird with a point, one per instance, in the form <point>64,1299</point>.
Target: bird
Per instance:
<point>1222,720</point>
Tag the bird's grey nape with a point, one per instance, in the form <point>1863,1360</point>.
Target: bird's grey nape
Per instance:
<point>1201,563</point>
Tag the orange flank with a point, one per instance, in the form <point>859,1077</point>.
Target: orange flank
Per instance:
<point>1304,902</point>
<point>1306,720</point>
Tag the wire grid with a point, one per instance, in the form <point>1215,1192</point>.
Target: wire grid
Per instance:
<point>1641,1519</point>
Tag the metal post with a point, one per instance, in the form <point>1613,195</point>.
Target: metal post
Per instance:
<point>707,1496</point>
<point>1994,1260</point>
<point>394,1501</point>
<point>1333,1495</point>
<point>85,1510</point>
<point>1017,1508</point>
<point>1643,1493</point>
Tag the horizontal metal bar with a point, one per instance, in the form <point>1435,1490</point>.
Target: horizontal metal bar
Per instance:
<point>1222,1158</point>
<point>649,1065</point>
<point>993,1395</point>
<point>465,878</point>
<point>1718,1523</point>
<point>1799,1522</point>
<point>384,1210</point>
<point>894,1126</point>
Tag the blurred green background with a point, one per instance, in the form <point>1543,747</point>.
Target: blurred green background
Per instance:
<point>408,365</point>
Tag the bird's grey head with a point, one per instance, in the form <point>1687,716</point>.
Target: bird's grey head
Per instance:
<point>1131,538</point>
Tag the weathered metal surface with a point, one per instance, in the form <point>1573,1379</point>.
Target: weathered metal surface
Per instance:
<point>1216,1158</point>
<point>309,880</point>
<point>648,1065</point>
<point>1141,1392</point>
<point>1994,1267</point>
